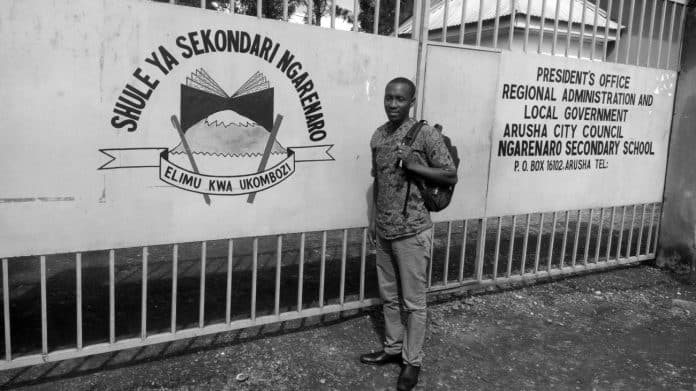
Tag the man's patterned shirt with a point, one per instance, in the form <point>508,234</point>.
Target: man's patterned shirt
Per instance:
<point>430,150</point>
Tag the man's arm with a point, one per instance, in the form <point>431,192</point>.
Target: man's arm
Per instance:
<point>440,176</point>
<point>440,168</point>
<point>372,209</point>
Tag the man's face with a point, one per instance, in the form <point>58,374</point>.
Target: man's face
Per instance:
<point>397,101</point>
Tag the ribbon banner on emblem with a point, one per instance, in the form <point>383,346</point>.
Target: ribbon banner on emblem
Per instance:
<point>186,179</point>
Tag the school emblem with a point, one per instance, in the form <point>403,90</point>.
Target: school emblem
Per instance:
<point>228,143</point>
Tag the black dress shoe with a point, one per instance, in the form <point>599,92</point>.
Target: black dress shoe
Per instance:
<point>408,378</point>
<point>380,358</point>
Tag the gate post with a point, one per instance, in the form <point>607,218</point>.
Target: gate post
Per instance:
<point>419,29</point>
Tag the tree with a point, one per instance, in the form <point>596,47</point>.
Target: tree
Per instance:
<point>387,11</point>
<point>271,9</point>
<point>323,7</point>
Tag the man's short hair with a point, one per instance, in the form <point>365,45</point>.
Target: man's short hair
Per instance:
<point>403,80</point>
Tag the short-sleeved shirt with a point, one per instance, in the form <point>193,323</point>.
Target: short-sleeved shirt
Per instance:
<point>430,149</point>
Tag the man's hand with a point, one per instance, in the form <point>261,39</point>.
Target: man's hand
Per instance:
<point>372,233</point>
<point>404,153</point>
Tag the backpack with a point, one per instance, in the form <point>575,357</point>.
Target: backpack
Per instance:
<point>435,197</point>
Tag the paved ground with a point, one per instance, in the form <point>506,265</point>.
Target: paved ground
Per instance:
<point>610,331</point>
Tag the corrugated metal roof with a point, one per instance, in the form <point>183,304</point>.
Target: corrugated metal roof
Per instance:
<point>454,12</point>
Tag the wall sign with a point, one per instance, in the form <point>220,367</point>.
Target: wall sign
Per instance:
<point>216,125</point>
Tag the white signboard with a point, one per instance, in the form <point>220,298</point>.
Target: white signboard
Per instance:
<point>131,123</point>
<point>572,134</point>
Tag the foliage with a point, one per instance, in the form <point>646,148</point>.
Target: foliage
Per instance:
<point>271,9</point>
<point>387,11</point>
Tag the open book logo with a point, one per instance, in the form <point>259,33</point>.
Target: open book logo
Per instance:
<point>215,123</point>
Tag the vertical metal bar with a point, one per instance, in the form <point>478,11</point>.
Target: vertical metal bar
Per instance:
<point>578,225</point>
<point>143,296</point>
<point>630,232</point>
<point>662,30</point>
<point>202,4</point>
<point>538,244</point>
<point>285,15</point>
<point>462,23</point>
<point>363,256</point>
<point>599,235</point>
<point>228,290</point>
<point>6,310</point>
<point>618,35</point>
<point>497,23</point>
<point>631,14</point>
<point>594,31</point>
<point>671,31</point>
<point>541,31</point>
<point>497,248</point>
<point>397,12</point>
<point>680,35</point>
<point>300,273</point>
<point>569,33</point>
<point>611,232</point>
<point>322,272</point>
<point>201,293</point>
<point>356,14</point>
<point>640,30</point>
<point>657,232</point>
<point>652,29</point>
<point>175,285</point>
<point>606,32</point>
<point>44,320</point>
<point>581,42</point>
<point>555,27</point>
<point>444,22</point>
<point>279,259</point>
<point>553,237</point>
<point>344,256</point>
<point>640,231</point>
<point>650,230</point>
<point>479,26</point>
<point>565,240</point>
<point>78,294</point>
<point>480,249</point>
<point>524,245</point>
<point>511,247</point>
<point>621,229</point>
<point>375,22</point>
<point>112,297</point>
<point>462,258</point>
<point>526,27</point>
<point>259,7</point>
<point>310,12</point>
<point>254,272</point>
<point>511,32</point>
<point>588,237</point>
<point>447,252</point>
<point>333,14</point>
<point>432,250</point>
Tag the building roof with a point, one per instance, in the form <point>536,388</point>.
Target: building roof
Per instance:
<point>454,12</point>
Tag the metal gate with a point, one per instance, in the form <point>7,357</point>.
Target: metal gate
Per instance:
<point>63,306</point>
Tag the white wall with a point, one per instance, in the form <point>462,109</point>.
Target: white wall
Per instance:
<point>64,67</point>
<point>66,64</point>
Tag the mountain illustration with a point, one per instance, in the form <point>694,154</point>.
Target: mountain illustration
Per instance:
<point>229,134</point>
<point>215,123</point>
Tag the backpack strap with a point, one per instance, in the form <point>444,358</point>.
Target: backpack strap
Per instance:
<point>408,141</point>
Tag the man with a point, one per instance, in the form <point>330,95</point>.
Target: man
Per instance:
<point>402,228</point>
